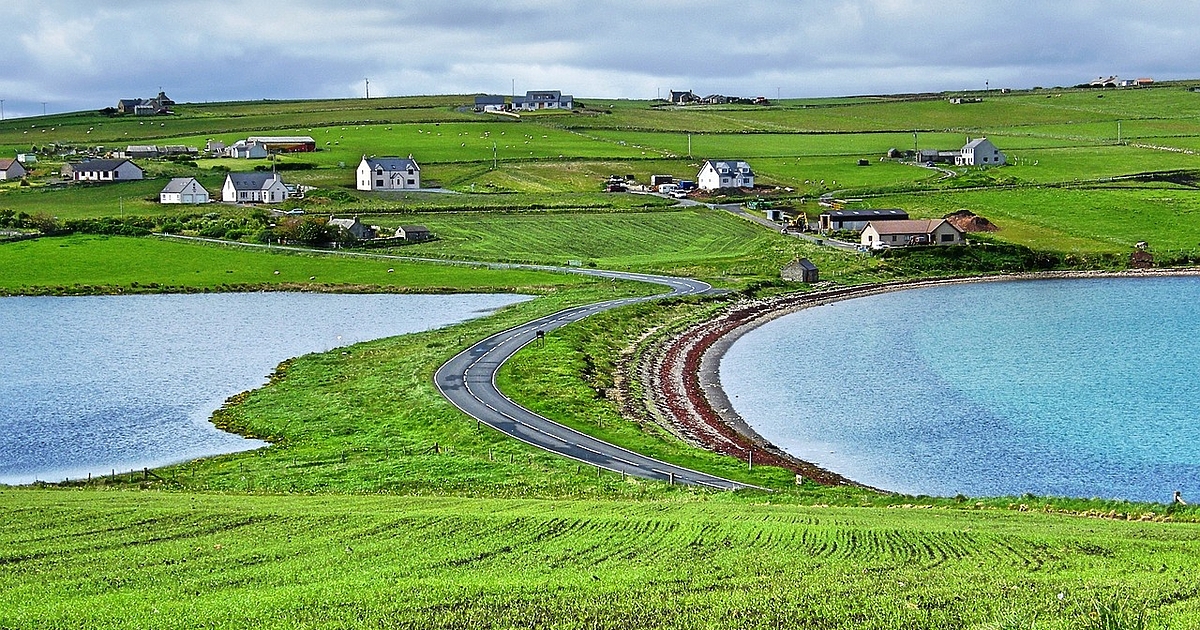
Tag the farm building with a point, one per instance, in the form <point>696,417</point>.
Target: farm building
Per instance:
<point>388,173</point>
<point>354,227</point>
<point>11,169</point>
<point>183,190</point>
<point>253,187</point>
<point>160,104</point>
<point>856,219</point>
<point>286,144</point>
<point>489,103</point>
<point>413,233</point>
<point>906,233</point>
<point>716,174</point>
<point>543,99</point>
<point>141,151</point>
<point>27,158</point>
<point>247,150</point>
<point>980,152</point>
<point>102,171</point>
<point>801,270</point>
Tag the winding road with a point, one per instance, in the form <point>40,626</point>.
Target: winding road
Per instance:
<point>469,381</point>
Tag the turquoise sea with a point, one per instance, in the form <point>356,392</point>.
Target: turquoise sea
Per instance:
<point>1079,387</point>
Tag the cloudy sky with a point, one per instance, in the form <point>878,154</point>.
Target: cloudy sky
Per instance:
<point>70,55</point>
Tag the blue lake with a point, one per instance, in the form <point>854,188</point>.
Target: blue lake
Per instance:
<point>1084,388</point>
<point>92,384</point>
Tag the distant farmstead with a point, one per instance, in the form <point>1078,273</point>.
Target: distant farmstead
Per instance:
<point>159,105</point>
<point>388,173</point>
<point>102,171</point>
<point>183,190</point>
<point>716,174</point>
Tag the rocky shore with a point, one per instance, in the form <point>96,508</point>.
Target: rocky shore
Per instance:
<point>681,388</point>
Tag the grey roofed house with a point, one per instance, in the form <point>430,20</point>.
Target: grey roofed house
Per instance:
<point>258,180</point>
<point>392,163</point>
<point>488,100</point>
<point>177,184</point>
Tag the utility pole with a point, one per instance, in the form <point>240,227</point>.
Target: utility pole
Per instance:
<point>493,156</point>
<point>368,82</point>
<point>514,88</point>
<point>1,109</point>
<point>43,108</point>
<point>1118,130</point>
<point>689,146</point>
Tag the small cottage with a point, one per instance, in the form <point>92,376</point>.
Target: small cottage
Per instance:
<point>183,190</point>
<point>359,230</point>
<point>11,169</point>
<point>102,171</point>
<point>413,233</point>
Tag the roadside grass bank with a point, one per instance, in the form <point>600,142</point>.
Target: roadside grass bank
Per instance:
<point>199,560</point>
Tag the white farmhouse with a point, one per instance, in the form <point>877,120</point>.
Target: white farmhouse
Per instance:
<point>11,169</point>
<point>247,150</point>
<point>102,171</point>
<point>543,99</point>
<point>980,152</point>
<point>183,190</point>
<point>388,173</point>
<point>716,174</point>
<point>253,187</point>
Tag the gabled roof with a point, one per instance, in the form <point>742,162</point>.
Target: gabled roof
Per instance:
<point>731,165</point>
<point>392,164</point>
<point>911,227</point>
<point>5,163</point>
<point>177,184</point>
<point>414,228</point>
<point>252,181</point>
<point>488,99</point>
<point>975,143</point>
<point>99,165</point>
<point>281,139</point>
<point>345,223</point>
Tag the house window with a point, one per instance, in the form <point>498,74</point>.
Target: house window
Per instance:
<point>379,183</point>
<point>947,238</point>
<point>412,182</point>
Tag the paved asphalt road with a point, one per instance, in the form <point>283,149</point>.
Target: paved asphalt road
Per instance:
<point>469,381</point>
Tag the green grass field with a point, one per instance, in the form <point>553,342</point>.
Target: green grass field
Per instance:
<point>380,505</point>
<point>166,560</point>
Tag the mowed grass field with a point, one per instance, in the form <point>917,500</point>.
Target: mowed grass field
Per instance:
<point>136,559</point>
<point>113,262</point>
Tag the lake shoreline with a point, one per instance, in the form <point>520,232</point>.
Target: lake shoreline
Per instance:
<point>682,376</point>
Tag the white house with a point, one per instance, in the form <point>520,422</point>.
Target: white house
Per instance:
<point>11,169</point>
<point>413,233</point>
<point>183,190</point>
<point>102,171</point>
<point>27,158</point>
<point>905,233</point>
<point>247,150</point>
<point>716,174</point>
<point>980,152</point>
<point>253,187</point>
<point>543,99</point>
<point>388,173</point>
